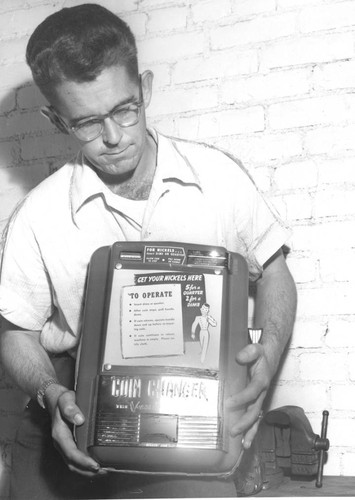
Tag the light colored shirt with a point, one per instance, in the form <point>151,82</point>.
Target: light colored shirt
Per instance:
<point>199,195</point>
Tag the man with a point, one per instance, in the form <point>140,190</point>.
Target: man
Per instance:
<point>127,183</point>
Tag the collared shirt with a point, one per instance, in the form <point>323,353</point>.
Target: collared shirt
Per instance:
<point>199,195</point>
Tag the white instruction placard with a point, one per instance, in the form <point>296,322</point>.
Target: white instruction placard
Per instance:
<point>151,321</point>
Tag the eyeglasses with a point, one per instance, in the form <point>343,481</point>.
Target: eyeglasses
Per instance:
<point>125,115</point>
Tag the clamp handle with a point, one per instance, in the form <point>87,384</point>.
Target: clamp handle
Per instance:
<point>322,444</point>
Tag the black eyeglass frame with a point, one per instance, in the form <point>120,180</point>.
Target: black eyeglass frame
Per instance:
<point>100,118</point>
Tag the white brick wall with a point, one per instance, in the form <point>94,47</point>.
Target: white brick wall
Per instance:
<point>273,82</point>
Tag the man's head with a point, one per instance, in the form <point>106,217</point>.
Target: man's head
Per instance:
<point>84,60</point>
<point>77,44</point>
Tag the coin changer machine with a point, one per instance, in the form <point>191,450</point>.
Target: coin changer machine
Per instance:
<point>162,325</point>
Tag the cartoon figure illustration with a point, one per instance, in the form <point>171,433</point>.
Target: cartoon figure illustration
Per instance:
<point>203,321</point>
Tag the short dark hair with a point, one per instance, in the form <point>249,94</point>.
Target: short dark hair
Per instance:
<point>77,43</point>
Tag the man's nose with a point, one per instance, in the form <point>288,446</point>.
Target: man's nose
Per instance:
<point>112,132</point>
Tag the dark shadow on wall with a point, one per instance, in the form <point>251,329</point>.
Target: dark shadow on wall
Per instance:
<point>31,148</point>
<point>18,175</point>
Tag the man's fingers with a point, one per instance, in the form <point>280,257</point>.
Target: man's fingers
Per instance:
<point>250,435</point>
<point>249,354</point>
<point>64,442</point>
<point>66,413</point>
<point>68,408</point>
<point>249,422</point>
<point>248,395</point>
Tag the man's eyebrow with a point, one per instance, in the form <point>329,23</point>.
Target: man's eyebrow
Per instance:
<point>128,100</point>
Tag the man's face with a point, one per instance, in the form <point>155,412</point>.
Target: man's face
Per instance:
<point>118,150</point>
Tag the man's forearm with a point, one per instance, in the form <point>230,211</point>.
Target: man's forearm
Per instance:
<point>275,308</point>
<point>25,360</point>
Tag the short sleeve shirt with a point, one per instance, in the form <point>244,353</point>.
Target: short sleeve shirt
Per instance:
<point>199,195</point>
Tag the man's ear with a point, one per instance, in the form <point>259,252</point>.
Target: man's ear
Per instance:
<point>52,116</point>
<point>147,86</point>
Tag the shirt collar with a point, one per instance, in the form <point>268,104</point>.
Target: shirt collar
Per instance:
<point>172,167</point>
<point>172,164</point>
<point>84,184</point>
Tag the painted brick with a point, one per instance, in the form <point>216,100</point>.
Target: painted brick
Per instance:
<point>337,266</point>
<point>334,76</point>
<point>299,206</point>
<point>9,199</point>
<point>9,153</point>
<point>323,366</point>
<point>23,21</point>
<point>348,461</point>
<point>42,147</point>
<point>229,63</point>
<point>218,124</point>
<point>117,7</point>
<point>307,50</point>
<point>266,147</point>
<point>162,75</point>
<point>351,363</point>
<point>341,333</point>
<point>169,19</point>
<point>235,121</point>
<point>265,87</point>
<point>290,368</point>
<point>279,203</point>
<point>166,125</point>
<point>335,299</point>
<point>343,396</point>
<point>311,397</point>
<point>244,8</point>
<point>331,202</point>
<point>17,75</point>
<point>180,100</point>
<point>7,100</point>
<point>325,17</point>
<point>9,5</point>
<point>342,432</point>
<point>330,140</point>
<point>335,235</point>
<point>209,10</point>
<point>305,112</point>
<point>333,466</point>
<point>22,177</point>
<point>303,270</point>
<point>336,171</point>
<point>253,31</point>
<point>287,4</point>
<point>262,178</point>
<point>137,23</point>
<point>150,4</point>
<point>308,332</point>
<point>29,122</point>
<point>30,97</point>
<point>13,50</point>
<point>295,175</point>
<point>171,47</point>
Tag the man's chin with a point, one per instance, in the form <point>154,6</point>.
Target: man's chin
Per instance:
<point>117,170</point>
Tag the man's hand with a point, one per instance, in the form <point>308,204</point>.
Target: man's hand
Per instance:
<point>65,413</point>
<point>253,395</point>
<point>26,361</point>
<point>275,308</point>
